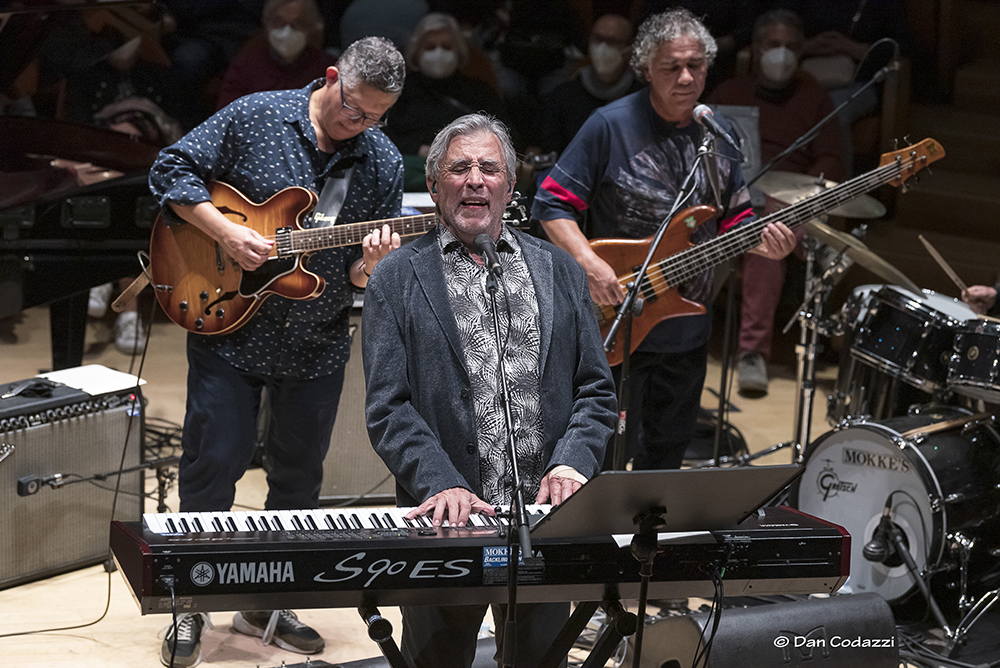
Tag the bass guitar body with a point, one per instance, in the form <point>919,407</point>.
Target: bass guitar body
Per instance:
<point>203,289</point>
<point>661,299</point>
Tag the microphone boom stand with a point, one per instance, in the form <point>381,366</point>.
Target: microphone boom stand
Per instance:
<point>518,511</point>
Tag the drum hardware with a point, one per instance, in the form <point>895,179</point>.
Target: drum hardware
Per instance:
<point>860,253</point>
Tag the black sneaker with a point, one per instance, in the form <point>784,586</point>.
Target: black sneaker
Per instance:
<point>280,627</point>
<point>188,653</point>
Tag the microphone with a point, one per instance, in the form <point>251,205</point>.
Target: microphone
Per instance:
<point>488,249</point>
<point>878,548</point>
<point>705,118</point>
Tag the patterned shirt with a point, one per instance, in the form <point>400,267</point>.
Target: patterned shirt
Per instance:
<point>260,145</point>
<point>466,281</point>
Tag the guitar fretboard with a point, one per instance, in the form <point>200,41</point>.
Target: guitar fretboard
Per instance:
<point>334,236</point>
<point>685,265</point>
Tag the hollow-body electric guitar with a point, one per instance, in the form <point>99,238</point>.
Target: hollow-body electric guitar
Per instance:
<point>677,260</point>
<point>204,290</point>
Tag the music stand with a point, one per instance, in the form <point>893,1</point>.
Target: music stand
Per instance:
<point>695,500</point>
<point>645,504</point>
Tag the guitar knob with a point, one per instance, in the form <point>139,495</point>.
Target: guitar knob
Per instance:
<point>203,296</point>
<point>220,313</point>
<point>183,306</point>
<point>199,324</point>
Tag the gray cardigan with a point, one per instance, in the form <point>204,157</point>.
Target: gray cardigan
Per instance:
<point>419,406</point>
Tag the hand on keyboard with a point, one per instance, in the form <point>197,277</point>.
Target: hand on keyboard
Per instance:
<point>451,507</point>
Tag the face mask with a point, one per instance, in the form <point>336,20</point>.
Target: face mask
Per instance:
<point>287,42</point>
<point>778,65</point>
<point>605,58</point>
<point>439,63</point>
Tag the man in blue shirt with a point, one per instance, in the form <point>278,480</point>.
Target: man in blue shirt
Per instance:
<point>621,175</point>
<point>323,137</point>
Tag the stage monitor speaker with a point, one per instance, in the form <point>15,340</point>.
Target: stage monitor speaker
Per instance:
<point>352,472</point>
<point>844,631</point>
<point>74,434</point>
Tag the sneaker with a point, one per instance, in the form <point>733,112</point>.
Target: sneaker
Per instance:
<point>280,627</point>
<point>100,297</point>
<point>190,626</point>
<point>129,338</point>
<point>752,372</point>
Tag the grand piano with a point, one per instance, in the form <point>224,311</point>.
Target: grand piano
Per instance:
<point>58,239</point>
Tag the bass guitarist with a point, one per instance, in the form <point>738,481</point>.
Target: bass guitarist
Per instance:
<point>620,175</point>
<point>324,137</point>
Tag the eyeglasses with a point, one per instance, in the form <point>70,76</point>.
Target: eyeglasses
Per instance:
<point>463,167</point>
<point>356,115</point>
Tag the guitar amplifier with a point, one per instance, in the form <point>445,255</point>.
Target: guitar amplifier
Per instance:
<point>60,450</point>
<point>352,472</point>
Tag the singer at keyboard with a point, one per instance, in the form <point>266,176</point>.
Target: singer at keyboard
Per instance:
<point>433,408</point>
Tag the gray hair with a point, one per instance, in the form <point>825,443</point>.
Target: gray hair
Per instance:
<point>313,20</point>
<point>666,27</point>
<point>375,62</point>
<point>436,21</point>
<point>777,17</point>
<point>469,125</point>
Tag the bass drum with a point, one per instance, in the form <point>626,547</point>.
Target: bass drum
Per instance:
<point>943,486</point>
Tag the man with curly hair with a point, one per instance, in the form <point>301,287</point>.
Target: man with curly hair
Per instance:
<point>619,177</point>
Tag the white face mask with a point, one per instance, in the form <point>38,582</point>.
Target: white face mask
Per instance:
<point>778,65</point>
<point>605,58</point>
<point>438,63</point>
<point>287,42</point>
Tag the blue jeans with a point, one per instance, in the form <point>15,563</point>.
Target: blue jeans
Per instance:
<point>220,433</point>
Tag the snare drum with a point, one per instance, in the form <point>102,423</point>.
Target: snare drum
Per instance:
<point>974,369</point>
<point>910,336</point>
<point>944,488</point>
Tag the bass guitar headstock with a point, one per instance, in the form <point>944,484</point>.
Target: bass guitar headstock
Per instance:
<point>912,159</point>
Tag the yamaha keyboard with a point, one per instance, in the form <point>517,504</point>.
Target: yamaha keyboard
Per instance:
<point>373,556</point>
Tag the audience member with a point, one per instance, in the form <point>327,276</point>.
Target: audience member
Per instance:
<point>838,35</point>
<point>436,92</point>
<point>790,102</point>
<point>287,54</point>
<point>206,35</point>
<point>607,77</point>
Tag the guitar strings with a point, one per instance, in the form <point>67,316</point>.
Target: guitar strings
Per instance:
<point>687,264</point>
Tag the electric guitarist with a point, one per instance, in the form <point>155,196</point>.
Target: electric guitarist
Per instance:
<point>620,176</point>
<point>325,139</point>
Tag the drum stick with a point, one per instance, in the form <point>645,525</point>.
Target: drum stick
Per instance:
<point>944,425</point>
<point>944,265</point>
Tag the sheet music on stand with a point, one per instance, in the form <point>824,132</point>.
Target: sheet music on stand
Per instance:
<point>696,500</point>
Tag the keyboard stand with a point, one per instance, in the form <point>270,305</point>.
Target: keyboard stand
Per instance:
<point>380,630</point>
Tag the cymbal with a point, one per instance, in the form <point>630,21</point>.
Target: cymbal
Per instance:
<point>860,253</point>
<point>789,187</point>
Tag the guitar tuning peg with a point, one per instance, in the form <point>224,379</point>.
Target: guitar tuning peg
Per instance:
<point>906,138</point>
<point>895,143</point>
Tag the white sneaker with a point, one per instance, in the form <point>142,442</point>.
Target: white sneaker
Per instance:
<point>100,297</point>
<point>129,336</point>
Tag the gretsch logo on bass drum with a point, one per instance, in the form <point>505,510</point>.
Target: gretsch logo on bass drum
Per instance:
<point>830,484</point>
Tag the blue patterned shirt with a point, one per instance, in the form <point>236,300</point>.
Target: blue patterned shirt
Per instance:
<point>260,145</point>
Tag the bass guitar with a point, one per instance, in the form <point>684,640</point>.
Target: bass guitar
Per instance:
<point>204,290</point>
<point>677,260</point>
